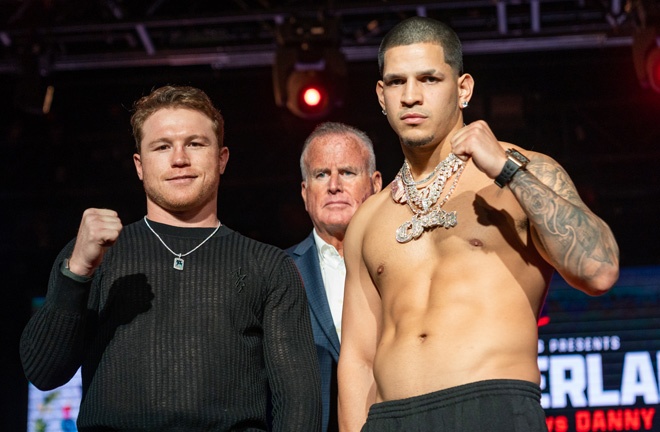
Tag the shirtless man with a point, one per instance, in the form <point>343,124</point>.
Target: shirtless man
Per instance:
<point>445,279</point>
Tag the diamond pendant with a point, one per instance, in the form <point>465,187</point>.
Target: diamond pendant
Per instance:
<point>414,228</point>
<point>178,263</point>
<point>409,230</point>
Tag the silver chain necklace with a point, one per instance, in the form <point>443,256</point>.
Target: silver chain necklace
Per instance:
<point>427,212</point>
<point>407,176</point>
<point>178,257</point>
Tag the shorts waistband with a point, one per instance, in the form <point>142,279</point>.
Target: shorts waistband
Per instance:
<point>454,395</point>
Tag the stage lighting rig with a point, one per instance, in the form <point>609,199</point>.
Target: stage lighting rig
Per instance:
<point>309,73</point>
<point>646,43</point>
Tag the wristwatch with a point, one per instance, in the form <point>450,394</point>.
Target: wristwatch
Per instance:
<point>515,161</point>
<point>66,271</point>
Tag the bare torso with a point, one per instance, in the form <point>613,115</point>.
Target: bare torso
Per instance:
<point>458,305</point>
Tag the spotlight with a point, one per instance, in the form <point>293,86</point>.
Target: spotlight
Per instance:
<point>653,68</point>
<point>309,72</point>
<point>646,56</point>
<point>646,43</point>
<point>312,96</point>
<point>308,95</point>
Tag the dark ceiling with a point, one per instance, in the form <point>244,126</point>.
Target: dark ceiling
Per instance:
<point>92,34</point>
<point>555,76</point>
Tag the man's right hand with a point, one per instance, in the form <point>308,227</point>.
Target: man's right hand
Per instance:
<point>99,229</point>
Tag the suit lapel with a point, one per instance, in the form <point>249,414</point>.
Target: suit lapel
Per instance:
<point>306,257</point>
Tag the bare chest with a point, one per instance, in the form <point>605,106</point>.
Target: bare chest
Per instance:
<point>483,222</point>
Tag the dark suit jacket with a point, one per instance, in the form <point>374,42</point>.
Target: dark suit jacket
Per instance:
<point>326,340</point>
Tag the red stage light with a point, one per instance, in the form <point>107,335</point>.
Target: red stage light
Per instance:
<point>309,72</point>
<point>653,68</point>
<point>646,57</point>
<point>312,96</point>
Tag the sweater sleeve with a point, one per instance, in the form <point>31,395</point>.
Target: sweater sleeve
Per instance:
<point>51,345</point>
<point>290,353</point>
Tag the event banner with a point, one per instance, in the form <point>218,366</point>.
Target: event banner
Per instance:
<point>599,356</point>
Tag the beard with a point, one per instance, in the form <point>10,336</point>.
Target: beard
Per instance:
<point>417,142</point>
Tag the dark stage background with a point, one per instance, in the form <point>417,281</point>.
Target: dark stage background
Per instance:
<point>584,107</point>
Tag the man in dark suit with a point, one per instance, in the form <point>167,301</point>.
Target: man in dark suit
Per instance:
<point>338,168</point>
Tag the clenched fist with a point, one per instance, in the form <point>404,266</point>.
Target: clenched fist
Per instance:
<point>99,229</point>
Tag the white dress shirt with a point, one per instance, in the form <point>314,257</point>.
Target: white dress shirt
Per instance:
<point>333,271</point>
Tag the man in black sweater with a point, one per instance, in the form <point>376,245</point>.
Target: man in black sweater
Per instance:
<point>179,323</point>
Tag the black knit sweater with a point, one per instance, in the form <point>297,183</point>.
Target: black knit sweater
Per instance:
<point>180,350</point>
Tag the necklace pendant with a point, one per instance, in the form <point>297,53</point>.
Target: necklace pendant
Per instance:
<point>427,211</point>
<point>178,257</point>
<point>409,230</point>
<point>414,228</point>
<point>402,233</point>
<point>426,204</point>
<point>449,219</point>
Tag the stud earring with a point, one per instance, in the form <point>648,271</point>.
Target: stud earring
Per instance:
<point>383,111</point>
<point>465,104</point>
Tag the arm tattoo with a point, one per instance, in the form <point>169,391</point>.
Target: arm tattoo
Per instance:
<point>573,237</point>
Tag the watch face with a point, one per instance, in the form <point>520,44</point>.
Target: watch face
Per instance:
<point>518,156</point>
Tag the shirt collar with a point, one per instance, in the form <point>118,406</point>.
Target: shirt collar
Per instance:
<point>327,253</point>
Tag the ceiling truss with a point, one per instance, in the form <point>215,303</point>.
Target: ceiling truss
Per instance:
<point>236,34</point>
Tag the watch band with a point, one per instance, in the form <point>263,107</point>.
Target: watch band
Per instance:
<point>510,168</point>
<point>515,162</point>
<point>64,269</point>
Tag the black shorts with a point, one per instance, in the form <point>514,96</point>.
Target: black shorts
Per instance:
<point>492,405</point>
